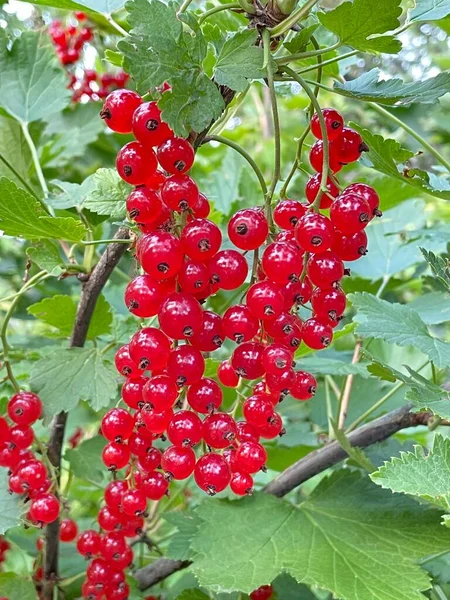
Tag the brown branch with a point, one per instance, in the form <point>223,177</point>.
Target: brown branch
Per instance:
<point>89,295</point>
<point>312,464</point>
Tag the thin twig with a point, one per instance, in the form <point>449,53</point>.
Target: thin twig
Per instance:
<point>343,405</point>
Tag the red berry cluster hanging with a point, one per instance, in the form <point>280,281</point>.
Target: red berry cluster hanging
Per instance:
<point>69,42</point>
<point>4,547</point>
<point>28,476</point>
<point>264,592</point>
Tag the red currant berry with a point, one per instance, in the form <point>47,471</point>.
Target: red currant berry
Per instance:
<point>117,425</point>
<point>68,530</point>
<point>350,247</point>
<point>262,593</point>
<point>24,408</point>
<point>304,387</point>
<point>265,300</point>
<point>185,429</point>
<point>297,292</point>
<point>241,484</point>
<point>276,357</point>
<point>179,193</point>
<point>114,492</point>
<point>132,392</point>
<point>124,364</point>
<point>148,127</point>
<point>369,195</point>
<point>273,428</point>
<point>98,573</point>
<point>156,422</point>
<point>228,269</point>
<point>210,336</point>
<point>248,228</point>
<point>329,303</point>
<point>281,381</point>
<point>143,205</point>
<point>180,315</point>
<point>150,348</point>
<point>160,392</point>
<point>185,365</point>
<point>246,432</point>
<point>258,410</point>
<point>219,430</point>
<point>134,503</point>
<point>201,239</point>
<point>118,110</point>
<point>193,277</point>
<point>201,208</point>
<point>282,262</point>
<point>212,473</point>
<point>144,295</point>
<point>115,456</point>
<point>287,213</point>
<point>334,124</point>
<point>325,270</point>
<point>250,457</point>
<point>205,396</point>
<point>350,213</point>
<point>247,360</point>
<point>88,543</point>
<point>135,163</point>
<point>176,155</point>
<point>239,324</point>
<point>178,462</point>
<point>316,158</point>
<point>348,147</point>
<point>21,436</point>
<point>44,508</point>
<point>314,233</point>
<point>154,485</point>
<point>107,520</point>
<point>227,375</point>
<point>150,460</point>
<point>316,335</point>
<point>160,255</point>
<point>313,187</point>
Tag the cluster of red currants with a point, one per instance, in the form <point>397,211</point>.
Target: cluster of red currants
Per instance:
<point>4,547</point>
<point>264,592</point>
<point>28,476</point>
<point>69,42</point>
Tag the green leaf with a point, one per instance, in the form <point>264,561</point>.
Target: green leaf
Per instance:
<point>342,538</point>
<point>16,587</point>
<point>331,366</point>
<point>67,376</point>
<point>287,588</point>
<point>10,506</point>
<point>180,544</point>
<point>45,254</point>
<point>109,194</point>
<point>397,324</point>
<point>371,88</point>
<point>357,23</point>
<point>239,61</point>
<point>388,157</point>
<point>86,460</point>
<point>193,595</point>
<point>301,39</point>
<point>72,131</point>
<point>21,215</point>
<point>433,308</point>
<point>114,58</point>
<point>419,474</point>
<point>354,453</point>
<point>103,6</point>
<point>222,185</point>
<point>14,151</point>
<point>439,266</point>
<point>158,49</point>
<point>429,10</point>
<point>33,85</point>
<point>72,194</point>
<point>60,311</point>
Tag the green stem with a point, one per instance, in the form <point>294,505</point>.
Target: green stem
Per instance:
<point>35,157</point>
<point>216,9</point>
<point>434,373</point>
<point>184,6</point>
<point>284,60</point>
<point>380,402</point>
<point>325,168</point>
<point>330,61</point>
<point>247,7</point>
<point>292,19</point>
<point>412,133</point>
<point>98,242</point>
<point>276,129</point>
<point>18,176</point>
<point>3,330</point>
<point>329,409</point>
<point>244,153</point>
<point>115,25</point>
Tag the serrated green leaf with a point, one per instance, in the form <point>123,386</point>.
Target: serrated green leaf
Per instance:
<point>60,311</point>
<point>11,507</point>
<point>193,595</point>
<point>85,460</point>
<point>114,58</point>
<point>370,88</point>
<point>67,376</point>
<point>357,24</point>
<point>388,157</point>
<point>354,453</point>
<point>45,254</point>
<point>397,324</point>
<point>433,308</point>
<point>72,194</point>
<point>287,588</point>
<point>16,587</point>
<point>108,195</point>
<point>21,215</point>
<point>381,371</point>
<point>221,186</point>
<point>348,530</point>
<point>15,152</point>
<point>239,61</point>
<point>72,131</point>
<point>429,10</point>
<point>33,85</point>
<point>440,267</point>
<point>158,50</point>
<point>426,475</point>
<point>301,39</point>
<point>98,6</point>
<point>186,524</point>
<point>331,366</point>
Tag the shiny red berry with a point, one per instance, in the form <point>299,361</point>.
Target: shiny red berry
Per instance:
<point>316,335</point>
<point>205,396</point>
<point>312,189</point>
<point>212,473</point>
<point>148,127</point>
<point>68,530</point>
<point>136,163</point>
<point>314,233</point>
<point>176,155</point>
<point>350,213</point>
<point>178,462</point>
<point>287,213</point>
<point>118,110</point>
<point>248,228</point>
<point>304,387</point>
<point>246,360</point>
<point>334,124</point>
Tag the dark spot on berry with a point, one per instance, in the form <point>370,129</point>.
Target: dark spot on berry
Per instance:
<point>242,229</point>
<point>134,213</point>
<point>316,240</point>
<point>364,147</point>
<point>105,113</point>
<point>152,124</point>
<point>188,331</point>
<point>127,170</point>
<point>217,341</point>
<point>180,165</point>
<point>204,245</point>
<point>163,267</point>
